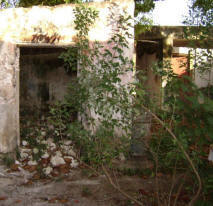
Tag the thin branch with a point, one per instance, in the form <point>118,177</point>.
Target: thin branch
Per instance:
<point>173,182</point>
<point>179,189</point>
<point>88,166</point>
<point>191,203</point>
<point>156,171</point>
<point>118,188</point>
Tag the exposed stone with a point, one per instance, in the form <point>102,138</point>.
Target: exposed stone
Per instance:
<point>58,153</point>
<point>71,152</point>
<point>210,157</point>
<point>43,142</point>
<point>67,142</point>
<point>43,133</point>
<point>49,141</point>
<point>68,150</point>
<point>47,170</point>
<point>74,163</point>
<point>23,155</point>
<point>25,150</point>
<point>122,157</point>
<point>65,148</point>
<point>24,143</point>
<point>17,162</point>
<point>52,146</point>
<point>57,160</point>
<point>31,163</point>
<point>45,155</point>
<point>35,150</point>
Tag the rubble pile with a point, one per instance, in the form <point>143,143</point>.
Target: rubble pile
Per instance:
<point>54,160</point>
<point>42,155</point>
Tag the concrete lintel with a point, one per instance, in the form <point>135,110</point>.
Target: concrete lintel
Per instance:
<point>45,45</point>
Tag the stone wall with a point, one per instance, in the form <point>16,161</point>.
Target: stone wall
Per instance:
<point>42,26</point>
<point>9,97</point>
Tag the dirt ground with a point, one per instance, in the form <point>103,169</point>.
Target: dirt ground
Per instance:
<point>75,184</point>
<point>80,187</point>
<point>76,188</point>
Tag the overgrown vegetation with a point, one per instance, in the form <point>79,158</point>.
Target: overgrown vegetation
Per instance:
<point>100,93</point>
<point>102,101</point>
<point>105,109</point>
<point>187,112</point>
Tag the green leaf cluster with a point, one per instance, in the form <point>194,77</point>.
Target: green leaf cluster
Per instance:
<point>102,101</point>
<point>29,3</point>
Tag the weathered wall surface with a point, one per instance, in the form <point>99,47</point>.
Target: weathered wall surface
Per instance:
<point>39,26</point>
<point>56,24</point>
<point>9,97</point>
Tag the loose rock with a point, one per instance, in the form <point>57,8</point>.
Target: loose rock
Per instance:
<point>31,163</point>
<point>57,160</point>
<point>47,170</point>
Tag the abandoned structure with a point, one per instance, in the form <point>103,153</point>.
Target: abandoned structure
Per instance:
<point>31,40</point>
<point>32,75</point>
<point>167,43</point>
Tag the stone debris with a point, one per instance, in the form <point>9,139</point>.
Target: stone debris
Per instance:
<point>24,150</point>
<point>210,156</point>
<point>50,158</point>
<point>74,163</point>
<point>58,153</point>
<point>23,156</point>
<point>43,133</point>
<point>45,155</point>
<point>31,163</point>
<point>35,150</point>
<point>42,153</point>
<point>52,146</point>
<point>67,142</point>
<point>71,152</point>
<point>122,157</point>
<point>47,171</point>
<point>57,160</point>
<point>17,162</point>
<point>24,143</point>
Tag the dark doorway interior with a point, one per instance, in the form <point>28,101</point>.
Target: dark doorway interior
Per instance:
<point>44,81</point>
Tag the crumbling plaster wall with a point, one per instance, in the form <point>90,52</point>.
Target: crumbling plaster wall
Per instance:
<point>56,24</point>
<point>44,26</point>
<point>9,99</point>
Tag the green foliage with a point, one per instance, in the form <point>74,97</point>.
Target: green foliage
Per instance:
<point>188,113</point>
<point>70,59</point>
<point>8,3</point>
<point>142,6</point>
<point>29,3</point>
<point>103,103</point>
<point>8,160</point>
<point>61,114</point>
<point>142,22</point>
<point>203,5</point>
<point>187,110</point>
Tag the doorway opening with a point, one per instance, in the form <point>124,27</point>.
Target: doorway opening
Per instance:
<point>44,82</point>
